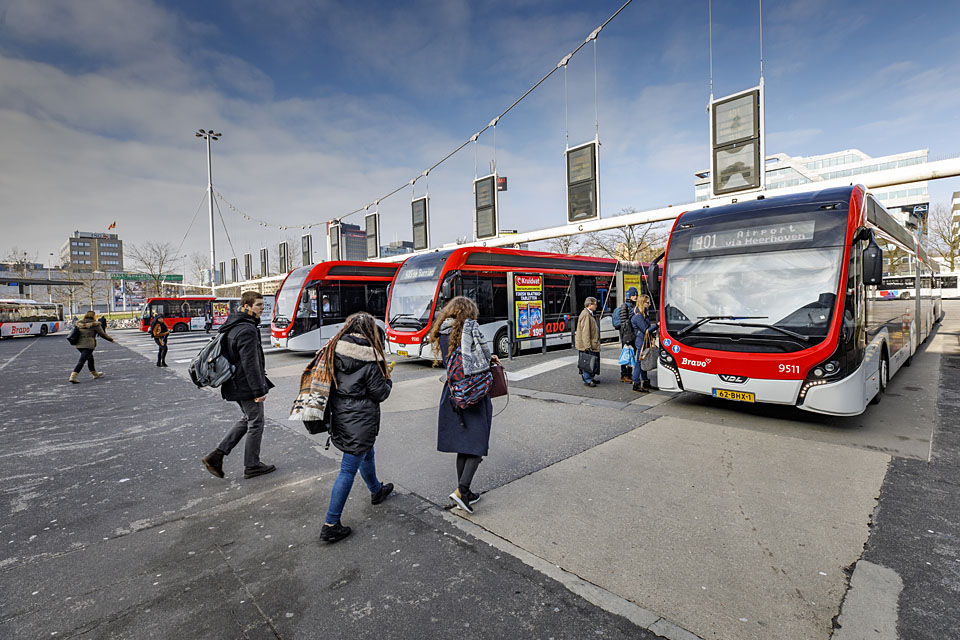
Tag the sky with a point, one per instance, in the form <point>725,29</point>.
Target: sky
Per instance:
<point>327,106</point>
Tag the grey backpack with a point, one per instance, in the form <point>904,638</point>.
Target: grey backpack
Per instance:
<point>211,367</point>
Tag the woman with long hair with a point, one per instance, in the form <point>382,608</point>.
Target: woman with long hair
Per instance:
<point>359,378</point>
<point>160,333</point>
<point>465,432</point>
<point>642,328</point>
<point>89,329</point>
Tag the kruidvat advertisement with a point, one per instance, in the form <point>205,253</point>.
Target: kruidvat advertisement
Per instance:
<point>528,305</point>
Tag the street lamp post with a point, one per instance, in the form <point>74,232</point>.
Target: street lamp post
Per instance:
<point>49,286</point>
<point>209,135</point>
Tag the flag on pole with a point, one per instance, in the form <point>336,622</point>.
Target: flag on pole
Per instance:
<point>112,226</point>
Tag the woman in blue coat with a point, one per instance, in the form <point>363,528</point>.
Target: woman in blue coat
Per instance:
<point>465,432</point>
<point>641,327</point>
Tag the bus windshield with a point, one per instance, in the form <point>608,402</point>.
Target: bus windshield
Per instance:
<point>414,288</point>
<point>286,302</point>
<point>793,290</point>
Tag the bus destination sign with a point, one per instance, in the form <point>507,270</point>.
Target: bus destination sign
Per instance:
<point>765,235</point>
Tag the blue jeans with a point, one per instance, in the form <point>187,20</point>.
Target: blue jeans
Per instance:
<point>638,373</point>
<point>344,482</point>
<point>587,376</point>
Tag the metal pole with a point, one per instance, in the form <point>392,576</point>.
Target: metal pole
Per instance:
<point>213,250</point>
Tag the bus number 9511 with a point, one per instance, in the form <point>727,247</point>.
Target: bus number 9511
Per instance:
<point>789,368</point>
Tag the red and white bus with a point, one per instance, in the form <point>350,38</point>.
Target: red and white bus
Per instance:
<point>427,281</point>
<point>28,317</point>
<point>188,313</point>
<point>314,300</point>
<point>783,300</point>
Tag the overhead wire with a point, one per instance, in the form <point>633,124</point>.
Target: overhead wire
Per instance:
<point>563,62</point>
<point>202,200</point>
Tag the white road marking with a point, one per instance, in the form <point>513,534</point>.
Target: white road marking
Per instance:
<point>4,365</point>
<point>544,367</point>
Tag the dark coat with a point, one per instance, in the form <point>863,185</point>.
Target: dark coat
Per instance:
<point>628,334</point>
<point>640,327</point>
<point>243,349</point>
<point>89,330</point>
<point>355,400</point>
<point>472,436</point>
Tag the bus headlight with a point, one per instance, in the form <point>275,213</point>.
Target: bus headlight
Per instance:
<point>825,372</point>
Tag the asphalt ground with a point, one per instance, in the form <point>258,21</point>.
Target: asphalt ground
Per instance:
<point>678,554</point>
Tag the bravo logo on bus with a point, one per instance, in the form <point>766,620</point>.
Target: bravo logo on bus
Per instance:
<point>528,305</point>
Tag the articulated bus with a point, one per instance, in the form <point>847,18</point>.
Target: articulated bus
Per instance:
<point>427,281</point>
<point>28,317</point>
<point>813,300</point>
<point>188,313</point>
<point>314,301</point>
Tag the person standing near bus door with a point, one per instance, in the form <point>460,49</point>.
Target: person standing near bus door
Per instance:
<point>248,387</point>
<point>89,329</point>
<point>588,336</point>
<point>643,330</point>
<point>207,321</point>
<point>628,335</point>
<point>159,331</point>
<point>465,432</point>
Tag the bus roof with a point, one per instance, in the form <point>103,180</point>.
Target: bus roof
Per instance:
<point>824,196</point>
<point>180,298</point>
<point>502,259</point>
<point>352,269</point>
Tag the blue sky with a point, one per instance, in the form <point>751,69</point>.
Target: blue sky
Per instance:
<point>326,106</point>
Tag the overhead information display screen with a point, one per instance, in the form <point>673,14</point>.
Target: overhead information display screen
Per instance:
<point>766,235</point>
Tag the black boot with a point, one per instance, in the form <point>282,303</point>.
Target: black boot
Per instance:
<point>214,462</point>
<point>334,532</point>
<point>380,496</point>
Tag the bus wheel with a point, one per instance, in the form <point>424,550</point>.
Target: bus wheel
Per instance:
<point>884,374</point>
<point>43,330</point>
<point>501,345</point>
<point>180,328</point>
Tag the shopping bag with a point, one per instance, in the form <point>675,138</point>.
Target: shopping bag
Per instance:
<point>628,357</point>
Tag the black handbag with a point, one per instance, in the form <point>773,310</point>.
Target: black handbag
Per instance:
<point>589,361</point>
<point>74,336</point>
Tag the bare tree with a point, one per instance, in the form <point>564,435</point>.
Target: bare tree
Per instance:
<point>93,288</point>
<point>571,245</point>
<point>944,235</point>
<point>156,259</point>
<point>294,256</point>
<point>634,242</point>
<point>68,293</point>
<point>19,258</point>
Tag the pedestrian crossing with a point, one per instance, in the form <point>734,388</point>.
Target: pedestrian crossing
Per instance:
<point>181,347</point>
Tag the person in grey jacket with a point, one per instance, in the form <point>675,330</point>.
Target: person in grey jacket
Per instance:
<point>89,329</point>
<point>360,381</point>
<point>247,387</point>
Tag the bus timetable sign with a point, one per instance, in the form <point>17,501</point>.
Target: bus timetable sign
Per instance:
<point>528,305</point>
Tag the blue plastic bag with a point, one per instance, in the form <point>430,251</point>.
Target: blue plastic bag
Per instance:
<point>628,357</point>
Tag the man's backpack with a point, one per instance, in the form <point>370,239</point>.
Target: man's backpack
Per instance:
<point>466,391</point>
<point>211,367</point>
<point>615,318</point>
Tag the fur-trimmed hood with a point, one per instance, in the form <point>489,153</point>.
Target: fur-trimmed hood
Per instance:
<point>352,352</point>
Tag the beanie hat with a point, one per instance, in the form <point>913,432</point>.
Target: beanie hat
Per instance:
<point>632,291</point>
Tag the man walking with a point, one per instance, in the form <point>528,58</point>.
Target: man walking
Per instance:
<point>588,336</point>
<point>247,387</point>
<point>627,334</point>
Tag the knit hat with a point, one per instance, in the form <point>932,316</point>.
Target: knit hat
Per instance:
<point>632,291</point>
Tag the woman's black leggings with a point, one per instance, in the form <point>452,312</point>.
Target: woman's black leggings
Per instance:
<point>466,467</point>
<point>162,350</point>
<point>86,355</point>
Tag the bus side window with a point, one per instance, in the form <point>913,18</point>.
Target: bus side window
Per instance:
<point>353,297</point>
<point>329,304</point>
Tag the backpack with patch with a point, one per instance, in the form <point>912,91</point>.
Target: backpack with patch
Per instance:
<point>211,367</point>
<point>466,391</point>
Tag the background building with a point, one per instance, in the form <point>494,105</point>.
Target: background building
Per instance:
<point>354,242</point>
<point>787,171</point>
<point>396,248</point>
<point>88,251</point>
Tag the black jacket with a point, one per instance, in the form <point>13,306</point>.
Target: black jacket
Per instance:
<point>243,348</point>
<point>355,400</point>
<point>628,334</point>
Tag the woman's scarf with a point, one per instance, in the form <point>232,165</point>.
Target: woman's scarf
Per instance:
<point>473,350</point>
<point>314,392</point>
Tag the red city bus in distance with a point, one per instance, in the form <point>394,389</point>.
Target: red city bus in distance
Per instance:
<point>188,312</point>
<point>427,281</point>
<point>313,301</point>
<point>783,300</point>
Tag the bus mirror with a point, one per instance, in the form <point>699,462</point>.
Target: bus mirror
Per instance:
<point>872,264</point>
<point>654,282</point>
<point>445,290</point>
